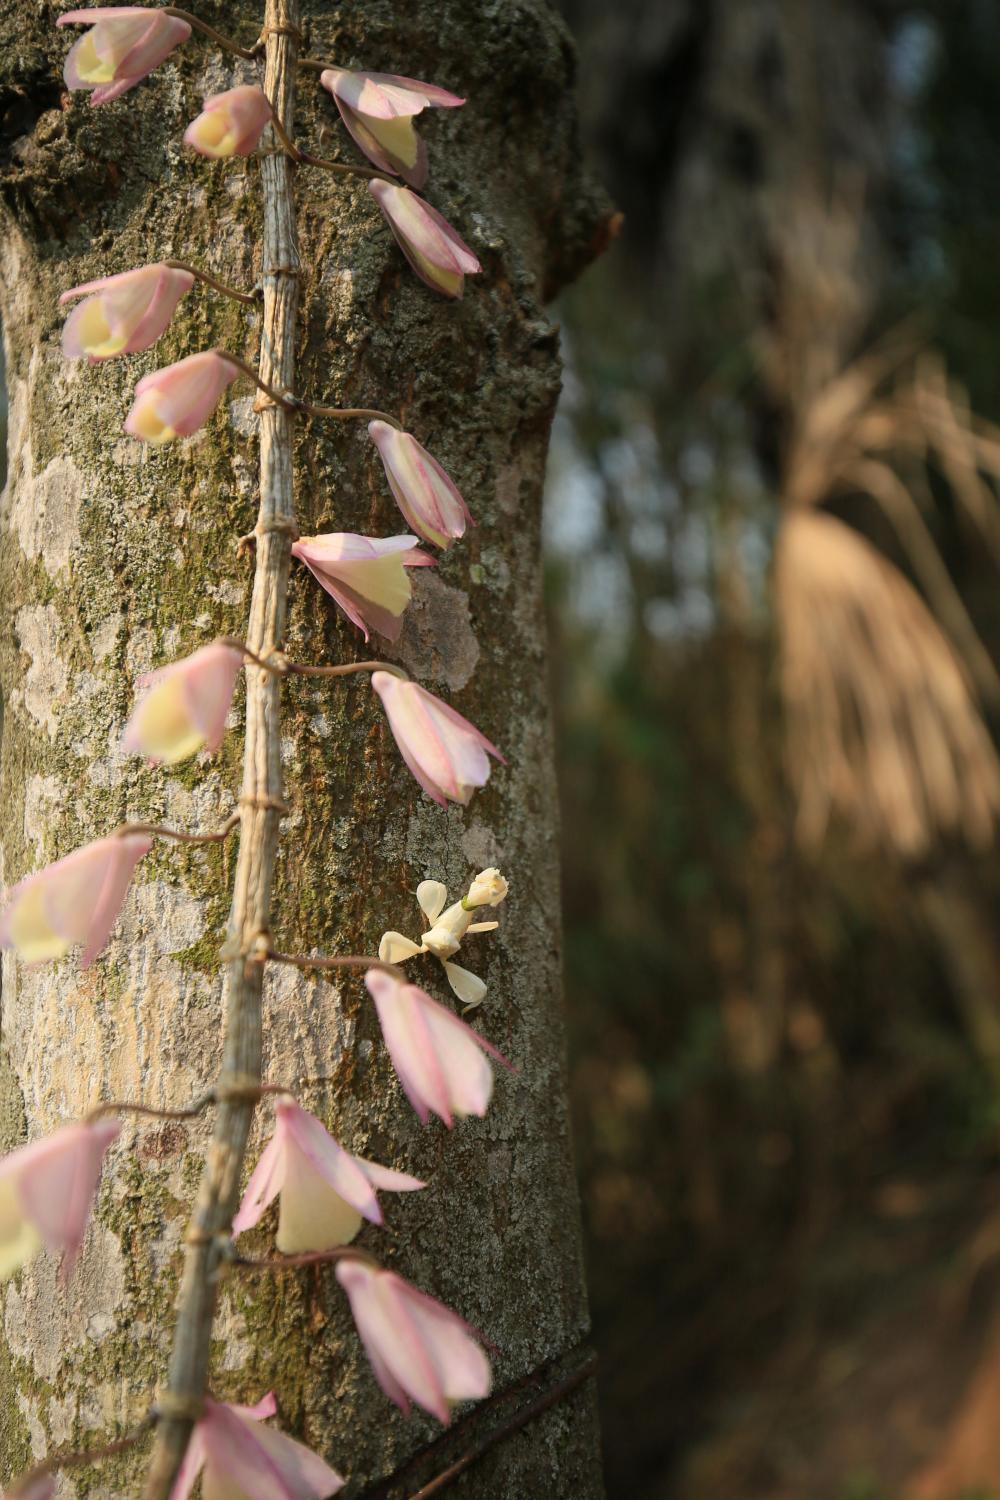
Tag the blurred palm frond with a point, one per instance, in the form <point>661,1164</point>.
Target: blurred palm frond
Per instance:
<point>883,725</point>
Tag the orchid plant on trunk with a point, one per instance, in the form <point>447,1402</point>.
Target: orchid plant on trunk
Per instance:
<point>421,1351</point>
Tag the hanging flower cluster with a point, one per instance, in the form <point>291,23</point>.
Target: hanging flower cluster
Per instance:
<point>420,1351</point>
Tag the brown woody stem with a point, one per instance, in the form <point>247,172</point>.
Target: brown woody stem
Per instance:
<point>225,42</point>
<point>340,168</point>
<point>280,398</point>
<point>341,961</point>
<point>219,286</point>
<point>261,798</point>
<point>77,1459</point>
<point>346,669</point>
<point>343,413</point>
<point>308,1258</point>
<point>159,831</point>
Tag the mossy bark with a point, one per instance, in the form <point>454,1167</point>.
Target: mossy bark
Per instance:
<point>114,559</point>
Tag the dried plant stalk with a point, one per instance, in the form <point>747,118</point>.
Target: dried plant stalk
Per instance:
<point>883,727</point>
<point>262,789</point>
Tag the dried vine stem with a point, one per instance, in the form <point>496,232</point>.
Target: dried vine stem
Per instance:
<point>262,789</point>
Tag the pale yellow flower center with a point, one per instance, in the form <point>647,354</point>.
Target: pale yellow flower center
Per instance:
<point>19,1240</point>
<point>147,421</point>
<point>164,726</point>
<point>95,332</point>
<point>91,66</point>
<point>312,1216</point>
<point>213,134</point>
<point>397,136</point>
<point>31,930</point>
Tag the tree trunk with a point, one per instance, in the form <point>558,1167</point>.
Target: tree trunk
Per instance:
<point>115,559</point>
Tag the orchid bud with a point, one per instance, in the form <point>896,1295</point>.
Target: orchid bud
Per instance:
<point>365,575</point>
<point>186,706</point>
<point>378,110</point>
<point>488,889</point>
<point>429,500</point>
<point>242,1460</point>
<point>419,1349</point>
<point>435,251</point>
<point>47,1191</point>
<point>325,1191</point>
<point>123,44</point>
<point>231,124</point>
<point>438,1058</point>
<point>446,753</point>
<point>75,900</point>
<point>122,314</point>
<point>177,400</point>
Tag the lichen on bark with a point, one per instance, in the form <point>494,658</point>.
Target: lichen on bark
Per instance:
<point>113,560</point>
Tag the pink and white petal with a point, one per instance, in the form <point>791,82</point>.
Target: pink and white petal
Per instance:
<point>379,1307</point>
<point>191,1466</point>
<point>236,1462</point>
<point>455,718</point>
<point>264,1185</point>
<point>429,94</point>
<point>407,1038</point>
<point>305,1474</point>
<point>209,680</point>
<point>57,1183</point>
<point>468,1075</point>
<point>327,1157</point>
<point>462,1365</point>
<point>131,848</point>
<point>387,1179</point>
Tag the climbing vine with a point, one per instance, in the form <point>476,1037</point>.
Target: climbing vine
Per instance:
<point>421,1351</point>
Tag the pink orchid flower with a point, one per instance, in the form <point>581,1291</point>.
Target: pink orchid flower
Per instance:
<point>436,252</point>
<point>186,705</point>
<point>122,314</point>
<point>244,1461</point>
<point>429,500</point>
<point>378,110</point>
<point>438,1058</point>
<point>123,44</point>
<point>325,1191</point>
<point>177,400</point>
<point>47,1191</point>
<point>419,1349</point>
<point>75,900</point>
<point>365,575</point>
<point>231,124</point>
<point>446,753</point>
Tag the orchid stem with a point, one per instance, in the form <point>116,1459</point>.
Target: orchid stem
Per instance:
<point>342,961</point>
<point>345,669</point>
<point>219,286</point>
<point>342,413</point>
<point>227,45</point>
<point>219,1093</point>
<point>340,168</point>
<point>78,1459</point>
<point>280,398</point>
<point>158,830</point>
<point>308,1258</point>
<point>125,1107</point>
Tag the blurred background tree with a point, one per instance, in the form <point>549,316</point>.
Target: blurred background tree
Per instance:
<point>773,557</point>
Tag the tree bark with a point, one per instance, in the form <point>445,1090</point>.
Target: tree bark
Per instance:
<point>114,559</point>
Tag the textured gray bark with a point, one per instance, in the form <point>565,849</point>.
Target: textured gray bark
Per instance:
<point>114,559</point>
